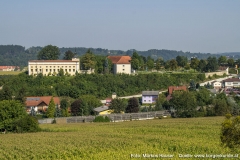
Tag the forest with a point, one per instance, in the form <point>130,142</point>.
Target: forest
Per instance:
<point>17,55</point>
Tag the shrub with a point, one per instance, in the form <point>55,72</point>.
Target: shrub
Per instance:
<point>101,119</point>
<point>26,124</point>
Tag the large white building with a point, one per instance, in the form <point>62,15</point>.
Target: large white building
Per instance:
<point>52,67</point>
<point>121,64</point>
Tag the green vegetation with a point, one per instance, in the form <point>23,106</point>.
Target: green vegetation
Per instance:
<point>230,132</point>
<point>117,140</point>
<point>101,119</point>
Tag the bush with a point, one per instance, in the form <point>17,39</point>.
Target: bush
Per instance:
<point>230,132</point>
<point>101,119</point>
<point>26,124</point>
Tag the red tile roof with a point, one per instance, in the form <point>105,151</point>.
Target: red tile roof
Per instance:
<point>175,88</point>
<point>120,59</point>
<point>35,101</point>
<point>51,61</point>
<point>6,67</point>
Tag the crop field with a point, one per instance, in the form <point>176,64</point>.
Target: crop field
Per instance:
<point>10,72</point>
<point>156,139</point>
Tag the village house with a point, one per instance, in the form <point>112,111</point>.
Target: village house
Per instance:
<point>149,97</point>
<point>231,83</point>
<point>102,110</point>
<point>172,89</point>
<point>40,104</point>
<point>217,85</point>
<point>9,68</point>
<point>52,67</point>
<point>121,64</point>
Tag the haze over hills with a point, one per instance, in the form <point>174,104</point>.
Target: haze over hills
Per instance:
<point>19,56</point>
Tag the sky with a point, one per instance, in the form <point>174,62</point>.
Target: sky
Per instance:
<point>206,26</point>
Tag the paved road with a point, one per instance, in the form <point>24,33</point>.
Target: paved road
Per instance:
<point>201,84</point>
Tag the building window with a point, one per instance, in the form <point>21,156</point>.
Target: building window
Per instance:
<point>73,66</point>
<point>40,70</point>
<point>50,70</point>
<point>35,66</point>
<point>53,66</point>
<point>40,66</point>
<point>144,100</point>
<point>58,70</point>
<point>66,70</point>
<point>46,70</point>
<point>69,66</point>
<point>123,69</point>
<point>36,70</point>
<point>123,65</point>
<point>73,70</point>
<point>65,66</point>
<point>69,70</point>
<point>31,66</point>
<point>58,66</point>
<point>53,70</point>
<point>31,70</point>
<point>46,66</point>
<point>50,66</point>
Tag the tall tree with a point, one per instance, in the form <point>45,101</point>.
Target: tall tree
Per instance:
<point>49,52</point>
<point>51,109</point>
<point>135,61</point>
<point>88,60</point>
<point>173,64</point>
<point>68,55</point>
<point>64,104</point>
<point>21,95</point>
<point>133,105</point>
<point>230,62</point>
<point>150,63</point>
<point>181,60</point>
<point>194,63</point>
<point>77,108</point>
<point>212,64</point>
<point>118,105</point>
<point>222,60</point>
<point>6,93</point>
<point>202,65</point>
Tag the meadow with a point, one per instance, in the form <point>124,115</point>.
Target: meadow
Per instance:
<point>119,140</point>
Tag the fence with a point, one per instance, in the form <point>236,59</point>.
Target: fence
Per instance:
<point>112,117</point>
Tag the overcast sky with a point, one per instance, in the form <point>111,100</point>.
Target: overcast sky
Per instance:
<point>189,25</point>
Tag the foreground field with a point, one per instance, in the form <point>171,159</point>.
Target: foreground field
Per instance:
<point>159,137</point>
<point>10,72</point>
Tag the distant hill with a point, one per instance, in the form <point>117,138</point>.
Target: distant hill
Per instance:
<point>234,55</point>
<point>19,56</point>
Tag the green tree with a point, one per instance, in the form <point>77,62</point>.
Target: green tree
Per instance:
<point>49,52</point>
<point>150,63</point>
<point>222,60</point>
<point>173,64</point>
<point>88,60</point>
<point>160,101</point>
<point>230,62</point>
<point>221,107</point>
<point>118,105</point>
<point>230,132</point>
<point>51,109</point>
<point>202,65</point>
<point>61,72</point>
<point>10,111</point>
<point>133,105</point>
<point>77,107</point>
<point>181,60</point>
<point>89,103</point>
<point>64,104</point>
<point>135,61</point>
<point>6,93</point>
<point>21,95</point>
<point>159,63</point>
<point>212,64</point>
<point>68,55</point>
<point>194,63</point>
<point>192,86</point>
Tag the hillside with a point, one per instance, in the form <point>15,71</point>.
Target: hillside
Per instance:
<point>19,56</point>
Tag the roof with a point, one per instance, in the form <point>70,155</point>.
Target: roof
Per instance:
<point>7,67</point>
<point>101,108</point>
<point>222,68</point>
<point>232,80</point>
<point>150,93</point>
<point>120,59</point>
<point>175,88</point>
<point>51,61</point>
<point>35,101</point>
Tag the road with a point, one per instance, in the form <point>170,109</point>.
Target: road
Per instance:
<point>201,84</point>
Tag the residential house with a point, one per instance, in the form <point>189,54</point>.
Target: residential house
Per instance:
<point>9,68</point>
<point>217,85</point>
<point>149,97</point>
<point>102,110</point>
<point>172,89</point>
<point>231,83</point>
<point>40,104</point>
<point>52,67</point>
<point>121,64</point>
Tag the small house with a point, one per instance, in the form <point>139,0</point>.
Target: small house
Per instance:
<point>149,97</point>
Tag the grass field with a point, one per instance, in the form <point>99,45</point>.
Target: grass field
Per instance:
<point>118,140</point>
<point>10,72</point>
